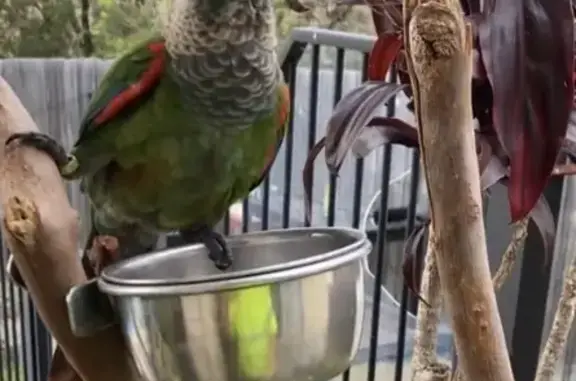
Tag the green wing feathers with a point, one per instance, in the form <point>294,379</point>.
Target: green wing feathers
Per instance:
<point>126,71</point>
<point>281,126</point>
<point>125,88</point>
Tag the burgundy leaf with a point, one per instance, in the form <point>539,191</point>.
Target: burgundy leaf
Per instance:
<point>527,49</point>
<point>308,176</point>
<point>383,53</point>
<point>384,130</point>
<point>412,277</point>
<point>351,115</point>
<point>564,169</point>
<point>542,217</point>
<point>484,151</point>
<point>493,173</point>
<point>569,143</point>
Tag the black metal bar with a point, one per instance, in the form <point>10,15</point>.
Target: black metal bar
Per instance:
<point>359,168</point>
<point>410,218</point>
<point>2,362</point>
<point>380,243</point>
<point>24,331</point>
<point>227,222</point>
<point>246,215</point>
<point>291,55</point>
<point>42,341</point>
<point>313,106</point>
<point>266,203</point>
<point>30,316</point>
<point>412,305</point>
<point>338,83</point>
<point>358,181</point>
<point>15,338</point>
<point>8,363</point>
<point>290,74</point>
<point>533,293</point>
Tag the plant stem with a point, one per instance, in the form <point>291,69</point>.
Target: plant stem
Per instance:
<point>510,255</point>
<point>424,358</point>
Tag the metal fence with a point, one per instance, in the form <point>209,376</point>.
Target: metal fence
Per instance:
<point>320,67</point>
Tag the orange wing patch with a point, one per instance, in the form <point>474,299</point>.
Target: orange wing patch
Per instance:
<point>283,112</point>
<point>284,108</point>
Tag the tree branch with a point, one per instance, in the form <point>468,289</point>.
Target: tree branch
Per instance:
<point>510,255</point>
<point>41,229</point>
<point>439,47</point>
<point>425,365</point>
<point>556,343</point>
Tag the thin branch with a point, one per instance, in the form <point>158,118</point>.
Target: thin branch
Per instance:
<point>425,364</point>
<point>556,343</point>
<point>510,255</point>
<point>427,318</point>
<point>434,372</point>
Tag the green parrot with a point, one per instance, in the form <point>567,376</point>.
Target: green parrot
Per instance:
<point>182,125</point>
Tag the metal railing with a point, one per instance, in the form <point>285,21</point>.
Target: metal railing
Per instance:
<point>29,346</point>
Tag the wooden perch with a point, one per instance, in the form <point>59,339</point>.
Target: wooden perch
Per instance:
<point>41,229</point>
<point>439,45</point>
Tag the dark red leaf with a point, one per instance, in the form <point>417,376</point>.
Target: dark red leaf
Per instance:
<point>569,143</point>
<point>383,53</point>
<point>484,152</point>
<point>384,130</point>
<point>527,49</point>
<point>493,173</point>
<point>541,214</point>
<point>351,115</point>
<point>413,277</point>
<point>308,176</point>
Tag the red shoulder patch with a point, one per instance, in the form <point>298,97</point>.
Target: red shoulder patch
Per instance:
<point>146,82</point>
<point>284,107</point>
<point>282,112</point>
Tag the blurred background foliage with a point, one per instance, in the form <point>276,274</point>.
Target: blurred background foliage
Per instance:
<point>104,28</point>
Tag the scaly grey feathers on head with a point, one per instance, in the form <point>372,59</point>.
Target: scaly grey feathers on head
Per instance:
<point>222,51</point>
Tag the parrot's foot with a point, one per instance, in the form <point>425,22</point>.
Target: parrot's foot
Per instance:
<point>103,252</point>
<point>44,143</point>
<point>219,251</point>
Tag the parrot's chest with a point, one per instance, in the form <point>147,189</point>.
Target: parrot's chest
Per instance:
<point>179,181</point>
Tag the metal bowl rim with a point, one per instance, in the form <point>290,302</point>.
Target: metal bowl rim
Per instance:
<point>359,235</point>
<point>288,274</point>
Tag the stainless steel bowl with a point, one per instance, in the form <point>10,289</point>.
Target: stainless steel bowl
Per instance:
<point>290,308</point>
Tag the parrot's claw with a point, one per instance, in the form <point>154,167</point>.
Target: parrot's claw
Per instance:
<point>218,249</point>
<point>44,143</point>
<point>219,252</point>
